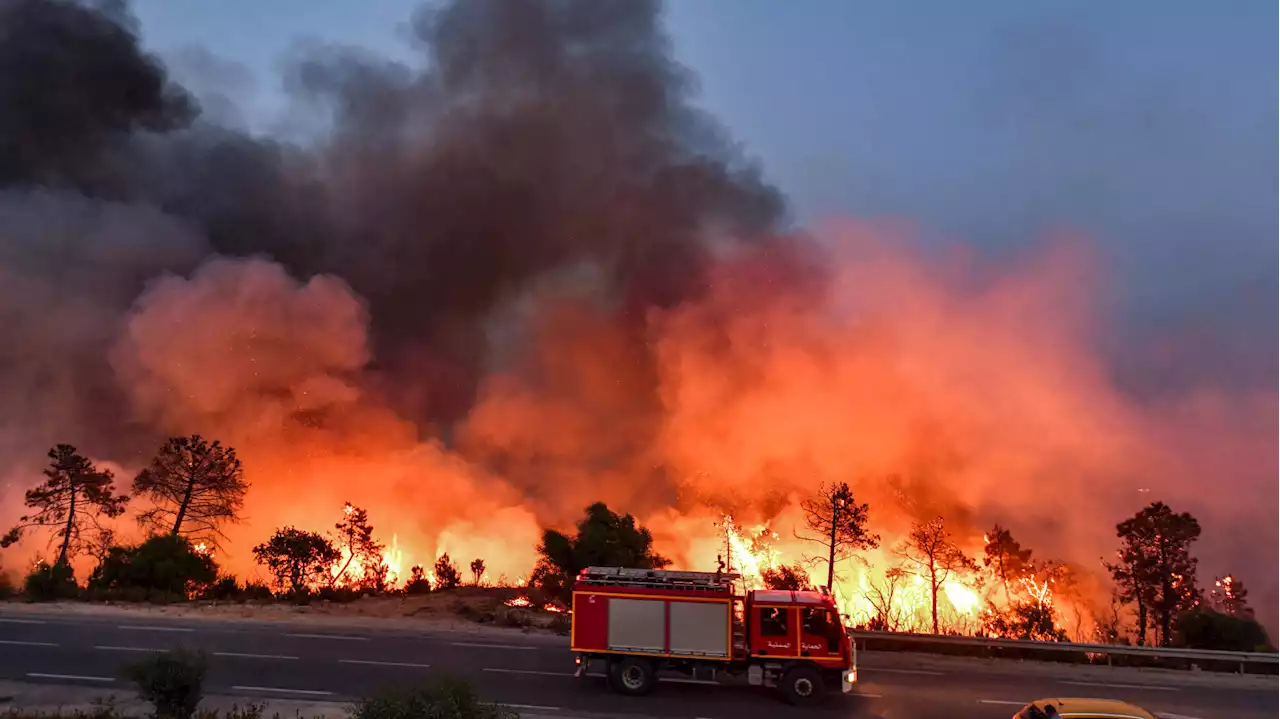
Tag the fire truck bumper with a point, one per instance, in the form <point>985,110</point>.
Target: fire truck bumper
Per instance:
<point>848,678</point>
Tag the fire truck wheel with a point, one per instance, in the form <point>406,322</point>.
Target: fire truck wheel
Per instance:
<point>633,676</point>
<point>802,685</point>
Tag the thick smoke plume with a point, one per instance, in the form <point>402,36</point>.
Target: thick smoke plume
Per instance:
<point>533,276</point>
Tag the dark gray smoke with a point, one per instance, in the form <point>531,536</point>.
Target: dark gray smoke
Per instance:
<point>543,135</point>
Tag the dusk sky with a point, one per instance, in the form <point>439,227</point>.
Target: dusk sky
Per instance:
<point>1146,126</point>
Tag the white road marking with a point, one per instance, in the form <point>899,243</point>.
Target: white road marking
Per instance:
<point>282,690</point>
<point>1001,701</point>
<point>527,671</point>
<point>534,707</point>
<point>243,655</point>
<point>494,646</point>
<point>142,628</point>
<point>922,672</point>
<point>1170,715</point>
<point>22,621</point>
<point>340,637</point>
<point>678,680</point>
<point>1152,687</point>
<point>384,664</point>
<point>76,677</point>
<point>129,649</point>
<point>17,643</point>
<point>868,695</point>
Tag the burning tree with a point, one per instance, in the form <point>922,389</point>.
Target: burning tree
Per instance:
<point>1005,558</point>
<point>604,538</point>
<point>477,571</point>
<point>784,577</point>
<point>72,498</point>
<point>1155,569</point>
<point>297,559</point>
<point>195,485</point>
<point>1229,596</point>
<point>930,548</point>
<point>839,524</point>
<point>360,550</point>
<point>889,615</point>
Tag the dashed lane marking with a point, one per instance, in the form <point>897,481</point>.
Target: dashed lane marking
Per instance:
<point>495,646</point>
<point>1170,715</point>
<point>16,643</point>
<point>282,690</point>
<point>128,649</point>
<point>243,655</point>
<point>153,628</point>
<point>678,680</point>
<point>868,695</point>
<point>72,677</point>
<point>537,672</point>
<point>1002,702</point>
<point>384,664</point>
<point>921,672</point>
<point>532,707</point>
<point>4,620</point>
<point>339,637</point>
<point>1151,687</point>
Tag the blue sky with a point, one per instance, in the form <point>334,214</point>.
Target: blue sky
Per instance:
<point>1148,125</point>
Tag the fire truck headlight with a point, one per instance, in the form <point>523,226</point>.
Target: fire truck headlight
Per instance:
<point>851,677</point>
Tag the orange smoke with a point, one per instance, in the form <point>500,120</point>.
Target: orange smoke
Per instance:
<point>932,382</point>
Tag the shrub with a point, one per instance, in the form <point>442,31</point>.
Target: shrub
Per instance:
<point>337,594</point>
<point>225,589</point>
<point>447,574</point>
<point>256,591</point>
<point>561,624</point>
<point>1207,629</point>
<point>417,583</point>
<point>438,697</point>
<point>172,682</point>
<point>164,568</point>
<point>49,582</point>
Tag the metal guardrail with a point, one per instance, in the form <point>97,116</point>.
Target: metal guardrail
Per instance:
<point>1109,650</point>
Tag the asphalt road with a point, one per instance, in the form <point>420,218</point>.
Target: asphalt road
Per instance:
<point>534,673</point>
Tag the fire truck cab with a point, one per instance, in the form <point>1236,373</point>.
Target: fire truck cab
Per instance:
<point>637,623</point>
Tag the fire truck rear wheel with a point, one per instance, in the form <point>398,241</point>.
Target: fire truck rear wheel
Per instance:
<point>802,685</point>
<point>633,676</point>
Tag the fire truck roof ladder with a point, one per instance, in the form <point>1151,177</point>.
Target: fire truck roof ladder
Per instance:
<point>658,579</point>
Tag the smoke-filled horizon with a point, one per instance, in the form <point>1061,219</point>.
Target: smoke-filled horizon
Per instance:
<point>532,276</point>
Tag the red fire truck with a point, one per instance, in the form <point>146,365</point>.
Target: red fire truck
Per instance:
<point>636,623</point>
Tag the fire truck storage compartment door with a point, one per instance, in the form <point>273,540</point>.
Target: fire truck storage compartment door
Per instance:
<point>700,628</point>
<point>636,625</point>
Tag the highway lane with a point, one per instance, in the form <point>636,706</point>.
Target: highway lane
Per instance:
<point>534,671</point>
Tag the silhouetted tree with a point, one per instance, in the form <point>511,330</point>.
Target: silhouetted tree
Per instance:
<point>355,543</point>
<point>71,499</point>
<point>163,567</point>
<point>195,486</point>
<point>447,574</point>
<point>1155,567</point>
<point>930,548</point>
<point>418,583</point>
<point>784,577</point>
<point>477,571</point>
<point>1005,558</point>
<point>296,558</point>
<point>603,539</point>
<point>838,523</point>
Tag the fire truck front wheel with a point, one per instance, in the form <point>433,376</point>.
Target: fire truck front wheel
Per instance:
<point>633,676</point>
<point>802,685</point>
